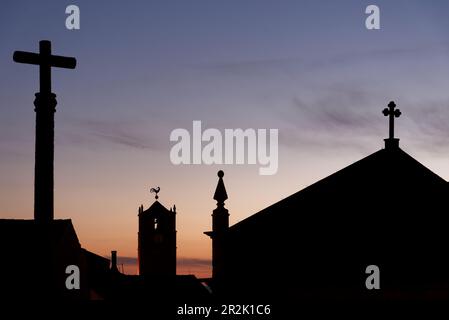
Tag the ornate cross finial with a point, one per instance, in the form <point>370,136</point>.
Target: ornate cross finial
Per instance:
<point>156,191</point>
<point>392,113</point>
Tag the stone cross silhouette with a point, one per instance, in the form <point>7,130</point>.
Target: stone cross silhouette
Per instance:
<point>45,60</point>
<point>392,113</point>
<point>45,107</point>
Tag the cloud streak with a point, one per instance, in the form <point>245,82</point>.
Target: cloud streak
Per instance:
<point>181,260</point>
<point>186,265</point>
<point>342,116</point>
<point>257,67</point>
<point>351,118</point>
<point>123,133</point>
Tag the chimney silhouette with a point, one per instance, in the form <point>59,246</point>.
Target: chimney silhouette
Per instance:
<point>114,261</point>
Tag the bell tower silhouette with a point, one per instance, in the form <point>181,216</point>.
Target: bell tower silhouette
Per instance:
<point>157,239</point>
<point>220,224</point>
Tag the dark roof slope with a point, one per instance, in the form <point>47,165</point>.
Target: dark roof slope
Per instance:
<point>156,209</point>
<point>388,170</point>
<point>16,232</point>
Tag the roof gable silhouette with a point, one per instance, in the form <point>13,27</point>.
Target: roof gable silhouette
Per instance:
<point>37,255</point>
<point>18,232</point>
<point>156,210</point>
<point>389,170</point>
<point>386,209</point>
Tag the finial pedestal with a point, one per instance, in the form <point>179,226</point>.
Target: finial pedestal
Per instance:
<point>391,143</point>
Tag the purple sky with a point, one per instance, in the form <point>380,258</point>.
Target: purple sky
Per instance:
<point>311,70</point>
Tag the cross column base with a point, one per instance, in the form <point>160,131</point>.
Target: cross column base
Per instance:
<point>391,143</point>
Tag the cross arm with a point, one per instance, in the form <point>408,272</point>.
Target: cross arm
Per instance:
<point>63,62</point>
<point>34,58</point>
<point>26,57</point>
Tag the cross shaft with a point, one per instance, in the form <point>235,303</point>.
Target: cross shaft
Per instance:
<point>45,107</point>
<point>392,113</point>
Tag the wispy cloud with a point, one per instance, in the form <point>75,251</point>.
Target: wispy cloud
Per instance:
<point>194,262</point>
<point>342,116</point>
<point>186,265</point>
<point>428,125</point>
<point>126,260</point>
<point>125,133</point>
<point>321,60</point>
<point>255,67</point>
<point>180,260</point>
<point>351,118</point>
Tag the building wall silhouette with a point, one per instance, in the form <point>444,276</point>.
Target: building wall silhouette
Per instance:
<point>386,209</point>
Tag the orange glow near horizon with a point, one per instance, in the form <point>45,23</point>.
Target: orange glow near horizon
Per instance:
<point>102,200</point>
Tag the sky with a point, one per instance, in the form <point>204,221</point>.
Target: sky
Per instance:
<point>310,69</point>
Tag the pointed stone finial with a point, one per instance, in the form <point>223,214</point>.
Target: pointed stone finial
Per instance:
<point>174,208</point>
<point>220,192</point>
